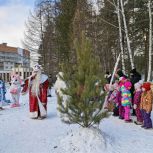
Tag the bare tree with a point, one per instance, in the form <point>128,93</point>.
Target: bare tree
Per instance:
<point>33,36</point>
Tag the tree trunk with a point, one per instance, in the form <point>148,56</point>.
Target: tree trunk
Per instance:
<point>146,54</point>
<point>127,36</point>
<point>150,41</point>
<point>120,37</point>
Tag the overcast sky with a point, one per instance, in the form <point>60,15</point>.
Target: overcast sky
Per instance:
<point>13,14</point>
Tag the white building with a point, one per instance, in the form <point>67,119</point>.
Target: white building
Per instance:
<point>13,59</point>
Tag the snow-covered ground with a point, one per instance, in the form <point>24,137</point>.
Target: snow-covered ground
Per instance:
<point>20,134</point>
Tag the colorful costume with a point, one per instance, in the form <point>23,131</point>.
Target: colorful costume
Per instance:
<point>126,99</point>
<point>121,108</point>
<point>15,89</point>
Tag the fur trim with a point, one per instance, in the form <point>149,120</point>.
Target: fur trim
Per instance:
<point>33,114</point>
<point>43,78</point>
<point>137,86</point>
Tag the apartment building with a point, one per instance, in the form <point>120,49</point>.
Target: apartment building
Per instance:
<point>14,59</point>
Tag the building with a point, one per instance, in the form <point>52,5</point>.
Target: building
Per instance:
<point>14,59</point>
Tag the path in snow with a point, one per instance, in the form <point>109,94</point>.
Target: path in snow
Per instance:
<point>20,134</point>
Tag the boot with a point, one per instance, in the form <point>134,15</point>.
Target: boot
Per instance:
<point>1,108</point>
<point>138,123</point>
<point>128,121</point>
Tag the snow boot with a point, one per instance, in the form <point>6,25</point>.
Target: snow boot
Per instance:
<point>120,117</point>
<point>138,123</point>
<point>148,128</point>
<point>1,108</point>
<point>128,121</point>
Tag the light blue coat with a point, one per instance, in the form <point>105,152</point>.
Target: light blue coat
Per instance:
<point>2,91</point>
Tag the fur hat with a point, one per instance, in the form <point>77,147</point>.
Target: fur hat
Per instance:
<point>36,68</point>
<point>146,86</point>
<point>127,84</point>
<point>138,85</point>
<point>116,85</point>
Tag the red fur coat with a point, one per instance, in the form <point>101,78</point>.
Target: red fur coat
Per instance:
<point>37,103</point>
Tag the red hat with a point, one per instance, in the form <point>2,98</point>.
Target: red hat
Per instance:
<point>146,86</point>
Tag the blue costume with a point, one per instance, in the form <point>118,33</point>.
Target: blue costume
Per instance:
<point>2,92</point>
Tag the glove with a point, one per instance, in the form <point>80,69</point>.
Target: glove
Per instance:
<point>135,106</point>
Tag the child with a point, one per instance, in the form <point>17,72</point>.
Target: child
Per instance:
<point>137,99</point>
<point>2,93</point>
<point>115,98</point>
<point>146,105</point>
<point>122,80</point>
<point>109,91</point>
<point>126,100</point>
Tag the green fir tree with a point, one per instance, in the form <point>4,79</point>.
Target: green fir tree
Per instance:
<point>84,85</point>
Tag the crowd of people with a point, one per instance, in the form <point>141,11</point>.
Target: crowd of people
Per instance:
<point>126,94</point>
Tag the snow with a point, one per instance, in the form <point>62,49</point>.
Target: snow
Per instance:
<point>20,134</point>
<point>83,140</point>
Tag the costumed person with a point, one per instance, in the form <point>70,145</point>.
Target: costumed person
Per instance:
<point>15,89</point>
<point>146,105</point>
<point>137,100</point>
<point>62,98</point>
<point>126,100</point>
<point>37,84</point>
<point>116,98</point>
<point>2,93</point>
<point>122,80</point>
<point>134,78</point>
<point>108,89</point>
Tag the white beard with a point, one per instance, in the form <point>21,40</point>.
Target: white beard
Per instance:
<point>36,84</point>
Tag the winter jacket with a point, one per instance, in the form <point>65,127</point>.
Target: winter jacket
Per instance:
<point>115,97</point>
<point>2,91</point>
<point>126,97</point>
<point>146,101</point>
<point>137,97</point>
<point>136,77</point>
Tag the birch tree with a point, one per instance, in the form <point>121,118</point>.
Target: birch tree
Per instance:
<point>120,35</point>
<point>127,35</point>
<point>150,41</point>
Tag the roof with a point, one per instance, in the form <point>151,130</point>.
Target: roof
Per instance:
<point>9,49</point>
<point>5,48</point>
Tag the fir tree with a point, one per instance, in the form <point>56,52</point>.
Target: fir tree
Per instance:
<point>85,101</point>
<point>66,10</point>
